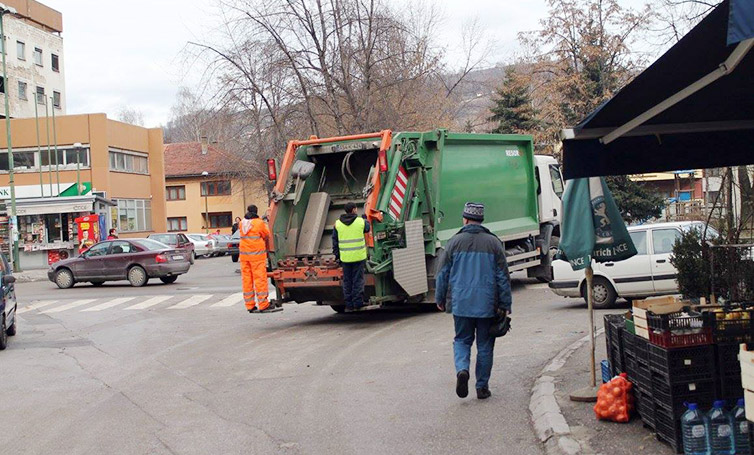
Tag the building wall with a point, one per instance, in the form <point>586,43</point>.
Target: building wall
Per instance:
<point>243,193</point>
<point>42,31</point>
<point>100,134</point>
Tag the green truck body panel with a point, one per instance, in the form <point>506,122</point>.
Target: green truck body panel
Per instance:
<point>443,171</point>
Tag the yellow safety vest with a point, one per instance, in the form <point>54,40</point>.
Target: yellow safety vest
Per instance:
<point>353,247</point>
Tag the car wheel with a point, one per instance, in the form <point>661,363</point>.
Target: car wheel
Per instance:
<point>137,276</point>
<point>192,258</point>
<point>11,331</point>
<point>3,335</point>
<point>97,283</point>
<point>234,257</point>
<point>168,279</point>
<point>604,293</point>
<point>64,278</point>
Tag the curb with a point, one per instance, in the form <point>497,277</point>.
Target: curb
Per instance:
<point>549,423</point>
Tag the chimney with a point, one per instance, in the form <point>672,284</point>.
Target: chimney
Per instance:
<point>205,144</point>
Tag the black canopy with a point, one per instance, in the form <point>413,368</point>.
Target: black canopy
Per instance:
<point>693,108</point>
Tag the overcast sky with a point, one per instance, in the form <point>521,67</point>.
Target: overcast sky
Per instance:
<point>130,54</point>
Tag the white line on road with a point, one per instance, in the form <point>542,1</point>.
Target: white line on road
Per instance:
<point>110,304</point>
<point>191,301</point>
<point>230,300</point>
<point>35,306</point>
<point>68,306</point>
<point>150,302</point>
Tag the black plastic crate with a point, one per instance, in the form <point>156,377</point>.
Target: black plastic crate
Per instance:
<point>672,396</point>
<point>730,388</point>
<point>641,349</point>
<point>617,362</point>
<point>631,370</point>
<point>628,340</point>
<point>614,326</point>
<point>733,326</point>
<point>695,363</point>
<point>680,321</point>
<point>645,408</point>
<point>668,429</point>
<point>727,358</point>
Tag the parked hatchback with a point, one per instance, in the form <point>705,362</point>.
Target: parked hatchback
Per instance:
<point>178,241</point>
<point>135,260</point>
<point>646,274</point>
<point>8,305</point>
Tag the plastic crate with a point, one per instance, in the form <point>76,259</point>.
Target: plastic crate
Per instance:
<point>678,322</point>
<point>672,396</point>
<point>645,407</point>
<point>670,339</point>
<point>617,362</point>
<point>727,358</point>
<point>695,363</point>
<point>730,388</point>
<point>736,330</point>
<point>643,377</point>
<point>606,371</point>
<point>630,326</point>
<point>641,349</point>
<point>668,429</point>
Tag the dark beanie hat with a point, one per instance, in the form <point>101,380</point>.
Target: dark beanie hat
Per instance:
<point>473,211</point>
<point>252,209</point>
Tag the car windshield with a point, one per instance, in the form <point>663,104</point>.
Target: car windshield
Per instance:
<point>711,232</point>
<point>163,238</point>
<point>150,244</point>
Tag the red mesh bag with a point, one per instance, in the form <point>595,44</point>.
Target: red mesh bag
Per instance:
<point>615,400</point>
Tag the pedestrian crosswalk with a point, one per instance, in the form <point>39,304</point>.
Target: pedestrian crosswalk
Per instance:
<point>169,302</point>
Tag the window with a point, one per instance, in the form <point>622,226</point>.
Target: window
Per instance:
<point>22,86</point>
<point>32,160</point>
<point>121,247</point>
<point>55,63</point>
<point>38,56</point>
<point>134,215</point>
<point>557,180</point>
<point>41,95</point>
<point>220,220</point>
<point>664,239</point>
<point>640,241</point>
<point>56,99</point>
<point>177,224</point>
<point>175,193</point>
<point>131,162</point>
<point>99,249</point>
<point>218,188</point>
<point>21,50</point>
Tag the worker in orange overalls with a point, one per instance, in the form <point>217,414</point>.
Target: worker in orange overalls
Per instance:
<point>253,254</point>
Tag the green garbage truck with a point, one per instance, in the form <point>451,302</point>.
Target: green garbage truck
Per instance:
<point>411,186</point>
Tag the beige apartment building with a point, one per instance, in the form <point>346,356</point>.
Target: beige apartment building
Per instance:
<point>205,190</point>
<point>117,173</point>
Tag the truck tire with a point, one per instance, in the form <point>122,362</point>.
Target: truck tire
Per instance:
<point>604,293</point>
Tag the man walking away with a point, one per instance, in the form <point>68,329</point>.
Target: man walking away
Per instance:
<point>474,271</point>
<point>350,248</point>
<point>253,254</point>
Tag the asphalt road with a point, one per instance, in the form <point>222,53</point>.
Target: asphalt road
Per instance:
<point>182,369</point>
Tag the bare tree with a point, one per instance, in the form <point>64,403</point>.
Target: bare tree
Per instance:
<point>130,115</point>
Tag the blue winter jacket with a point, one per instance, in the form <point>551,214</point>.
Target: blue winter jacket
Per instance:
<point>473,274</point>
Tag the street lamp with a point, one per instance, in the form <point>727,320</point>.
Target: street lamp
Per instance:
<point>11,179</point>
<point>77,147</point>
<point>206,203</point>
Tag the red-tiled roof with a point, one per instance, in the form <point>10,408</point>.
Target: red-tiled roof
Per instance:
<point>186,159</point>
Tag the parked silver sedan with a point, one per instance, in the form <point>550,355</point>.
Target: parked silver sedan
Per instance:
<point>203,245</point>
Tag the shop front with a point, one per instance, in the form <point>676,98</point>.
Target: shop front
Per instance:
<point>47,228</point>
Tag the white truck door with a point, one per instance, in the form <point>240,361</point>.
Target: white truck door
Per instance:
<point>663,272</point>
<point>551,188</point>
<point>632,276</point>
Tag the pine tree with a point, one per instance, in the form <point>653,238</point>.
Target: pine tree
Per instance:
<point>634,200</point>
<point>513,111</point>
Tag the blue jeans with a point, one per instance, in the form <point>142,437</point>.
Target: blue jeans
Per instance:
<point>353,284</point>
<point>466,328</point>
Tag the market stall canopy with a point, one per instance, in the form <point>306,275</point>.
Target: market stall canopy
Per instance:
<point>692,108</point>
<point>73,204</point>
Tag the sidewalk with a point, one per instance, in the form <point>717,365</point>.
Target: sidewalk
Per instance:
<point>28,276</point>
<point>599,437</point>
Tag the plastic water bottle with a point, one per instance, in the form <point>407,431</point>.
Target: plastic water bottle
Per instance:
<point>740,429</point>
<point>720,430</point>
<point>694,430</point>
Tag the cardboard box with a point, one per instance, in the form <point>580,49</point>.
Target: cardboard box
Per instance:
<point>642,332</point>
<point>657,305</point>
<point>640,322</point>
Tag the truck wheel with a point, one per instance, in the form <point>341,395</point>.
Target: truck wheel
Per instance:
<point>338,308</point>
<point>604,293</point>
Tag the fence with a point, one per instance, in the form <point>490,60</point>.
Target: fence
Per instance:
<point>732,272</point>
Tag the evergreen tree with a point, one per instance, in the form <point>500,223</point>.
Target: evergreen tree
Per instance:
<point>513,111</point>
<point>635,202</point>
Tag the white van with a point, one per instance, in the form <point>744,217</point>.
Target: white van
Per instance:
<point>647,274</point>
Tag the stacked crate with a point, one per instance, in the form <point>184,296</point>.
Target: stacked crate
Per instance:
<point>730,329</point>
<point>614,328</point>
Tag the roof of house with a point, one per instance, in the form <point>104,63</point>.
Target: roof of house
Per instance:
<point>185,159</point>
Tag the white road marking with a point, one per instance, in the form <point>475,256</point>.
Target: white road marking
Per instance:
<point>150,302</point>
<point>191,301</point>
<point>231,300</point>
<point>68,306</point>
<point>35,306</point>
<point>110,304</point>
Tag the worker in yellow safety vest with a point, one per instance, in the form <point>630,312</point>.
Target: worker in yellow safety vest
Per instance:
<point>253,255</point>
<point>349,247</point>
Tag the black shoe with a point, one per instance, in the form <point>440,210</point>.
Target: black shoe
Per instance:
<point>253,310</point>
<point>483,393</point>
<point>462,384</point>
<point>271,309</point>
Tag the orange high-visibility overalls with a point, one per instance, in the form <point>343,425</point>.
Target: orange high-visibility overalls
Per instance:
<point>253,255</point>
